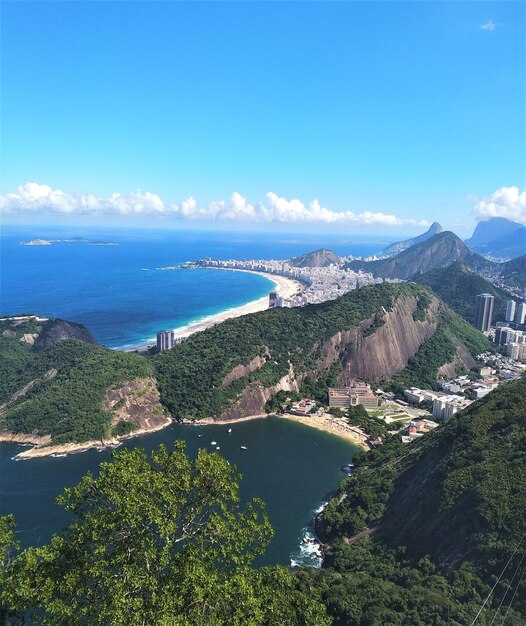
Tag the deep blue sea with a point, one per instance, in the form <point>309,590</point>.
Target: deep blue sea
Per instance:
<point>118,292</point>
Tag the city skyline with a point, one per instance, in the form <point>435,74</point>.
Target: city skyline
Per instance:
<point>366,117</point>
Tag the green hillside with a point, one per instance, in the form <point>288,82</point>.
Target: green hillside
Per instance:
<point>191,375</point>
<point>59,390</point>
<point>453,502</point>
<point>458,286</point>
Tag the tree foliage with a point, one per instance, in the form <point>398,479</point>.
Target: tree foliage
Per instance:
<point>160,540</point>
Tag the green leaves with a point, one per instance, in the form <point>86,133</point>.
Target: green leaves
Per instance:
<point>162,540</point>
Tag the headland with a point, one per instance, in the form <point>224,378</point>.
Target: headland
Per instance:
<point>285,287</point>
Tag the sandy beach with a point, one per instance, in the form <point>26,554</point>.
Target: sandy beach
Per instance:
<point>329,424</point>
<point>286,287</point>
<point>333,425</point>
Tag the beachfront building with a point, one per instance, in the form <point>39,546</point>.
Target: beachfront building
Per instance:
<point>304,407</point>
<point>357,393</point>
<point>165,340</point>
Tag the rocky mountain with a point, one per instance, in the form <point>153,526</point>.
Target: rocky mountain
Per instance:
<point>438,251</point>
<point>487,231</point>
<point>318,258</point>
<point>400,246</point>
<point>235,368</point>
<point>498,237</point>
<point>59,388</point>
<point>42,332</point>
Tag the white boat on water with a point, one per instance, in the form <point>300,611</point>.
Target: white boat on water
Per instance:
<point>229,430</point>
<point>57,456</point>
<point>218,448</point>
<point>213,443</point>
<point>244,448</point>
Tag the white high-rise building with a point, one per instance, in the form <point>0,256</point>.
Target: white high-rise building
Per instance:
<point>521,313</point>
<point>484,311</point>
<point>510,310</point>
<point>165,340</point>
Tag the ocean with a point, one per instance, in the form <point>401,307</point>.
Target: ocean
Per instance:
<point>118,293</point>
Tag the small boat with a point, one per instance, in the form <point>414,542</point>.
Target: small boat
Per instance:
<point>244,448</point>
<point>229,430</point>
<point>213,443</point>
<point>199,435</point>
<point>218,448</point>
<point>57,456</point>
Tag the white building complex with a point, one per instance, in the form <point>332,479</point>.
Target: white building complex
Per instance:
<point>446,406</point>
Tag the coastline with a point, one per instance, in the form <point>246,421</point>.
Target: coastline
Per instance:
<point>286,287</point>
<point>331,425</point>
<point>40,448</point>
<point>334,427</point>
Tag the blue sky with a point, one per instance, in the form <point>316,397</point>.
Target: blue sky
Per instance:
<point>413,111</point>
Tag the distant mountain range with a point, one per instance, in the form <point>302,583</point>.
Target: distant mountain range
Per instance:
<point>400,246</point>
<point>498,237</point>
<point>440,252</point>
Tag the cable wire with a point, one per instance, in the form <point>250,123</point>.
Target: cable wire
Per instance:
<point>510,587</point>
<point>497,582</point>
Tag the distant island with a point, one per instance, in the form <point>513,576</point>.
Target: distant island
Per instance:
<point>49,242</point>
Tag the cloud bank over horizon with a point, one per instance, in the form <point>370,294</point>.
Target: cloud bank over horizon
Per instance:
<point>36,198</point>
<point>507,202</point>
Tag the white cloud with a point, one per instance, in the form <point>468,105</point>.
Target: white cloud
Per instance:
<point>488,26</point>
<point>506,202</point>
<point>33,197</point>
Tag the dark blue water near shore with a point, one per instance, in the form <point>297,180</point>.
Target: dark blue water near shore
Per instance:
<point>290,466</point>
<point>117,292</point>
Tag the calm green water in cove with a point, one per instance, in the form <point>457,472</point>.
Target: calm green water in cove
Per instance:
<point>290,466</point>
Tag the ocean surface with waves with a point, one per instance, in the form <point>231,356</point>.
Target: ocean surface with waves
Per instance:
<point>119,293</point>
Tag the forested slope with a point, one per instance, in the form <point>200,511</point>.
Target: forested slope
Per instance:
<point>371,333</point>
<point>60,390</point>
<point>454,501</point>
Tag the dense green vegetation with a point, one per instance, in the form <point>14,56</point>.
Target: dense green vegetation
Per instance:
<point>72,378</point>
<point>59,390</point>
<point>458,286</point>
<point>156,540</point>
<point>190,375</point>
<point>452,502</point>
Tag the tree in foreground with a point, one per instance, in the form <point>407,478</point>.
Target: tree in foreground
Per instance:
<point>158,540</point>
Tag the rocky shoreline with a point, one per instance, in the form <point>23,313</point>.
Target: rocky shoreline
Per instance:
<point>41,447</point>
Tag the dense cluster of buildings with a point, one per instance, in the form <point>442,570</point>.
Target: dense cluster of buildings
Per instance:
<point>510,334</point>
<point>319,283</point>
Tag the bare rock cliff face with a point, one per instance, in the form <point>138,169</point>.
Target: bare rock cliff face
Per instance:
<point>244,370</point>
<point>253,399</point>
<point>462,360</point>
<point>55,330</point>
<point>137,402</point>
<point>379,355</point>
<point>387,351</point>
